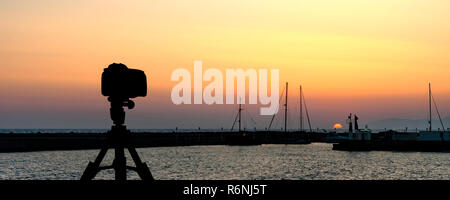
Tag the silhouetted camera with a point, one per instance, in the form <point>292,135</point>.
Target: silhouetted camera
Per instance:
<point>120,81</point>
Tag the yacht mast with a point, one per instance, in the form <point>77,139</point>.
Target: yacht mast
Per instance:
<point>286,108</point>
<point>239,113</point>
<point>306,110</point>
<point>429,102</point>
<point>437,111</point>
<point>238,117</point>
<point>273,116</point>
<point>301,109</point>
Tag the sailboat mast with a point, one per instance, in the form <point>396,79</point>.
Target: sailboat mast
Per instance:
<point>307,114</point>
<point>286,109</point>
<point>239,113</point>
<point>301,109</point>
<point>429,101</point>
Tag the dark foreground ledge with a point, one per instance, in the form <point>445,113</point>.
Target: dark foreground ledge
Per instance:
<point>20,142</point>
<point>233,189</point>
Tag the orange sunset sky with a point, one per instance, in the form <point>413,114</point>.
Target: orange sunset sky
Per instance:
<point>371,57</point>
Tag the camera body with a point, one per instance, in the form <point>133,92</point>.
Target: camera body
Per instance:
<point>120,81</point>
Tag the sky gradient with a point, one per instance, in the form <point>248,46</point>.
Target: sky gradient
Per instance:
<point>374,58</point>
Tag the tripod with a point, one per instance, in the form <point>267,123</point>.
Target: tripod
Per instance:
<point>118,138</point>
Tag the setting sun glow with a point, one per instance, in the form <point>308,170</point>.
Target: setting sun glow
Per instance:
<point>337,125</point>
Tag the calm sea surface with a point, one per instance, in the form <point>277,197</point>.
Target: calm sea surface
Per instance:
<point>270,162</point>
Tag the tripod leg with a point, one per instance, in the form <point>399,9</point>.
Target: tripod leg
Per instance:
<point>120,164</point>
<point>93,167</point>
<point>141,168</point>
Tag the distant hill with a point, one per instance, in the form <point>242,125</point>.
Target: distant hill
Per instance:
<point>396,123</point>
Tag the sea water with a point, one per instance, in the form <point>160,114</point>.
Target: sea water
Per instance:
<point>315,161</point>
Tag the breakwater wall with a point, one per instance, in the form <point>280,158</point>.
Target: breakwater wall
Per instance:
<point>21,142</point>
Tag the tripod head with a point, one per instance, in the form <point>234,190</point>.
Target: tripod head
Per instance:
<point>117,112</point>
